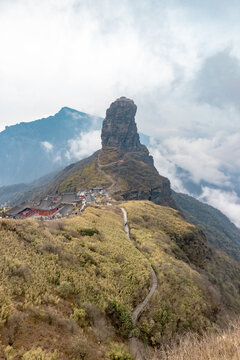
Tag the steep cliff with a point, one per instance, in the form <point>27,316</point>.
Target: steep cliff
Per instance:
<point>128,161</point>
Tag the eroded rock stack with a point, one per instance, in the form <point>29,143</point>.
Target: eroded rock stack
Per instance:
<point>119,127</point>
<point>129,161</point>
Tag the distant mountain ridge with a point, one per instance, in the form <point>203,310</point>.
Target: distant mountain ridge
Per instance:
<point>30,150</point>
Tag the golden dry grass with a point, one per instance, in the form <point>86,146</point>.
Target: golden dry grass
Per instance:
<point>222,346</point>
<point>193,281</point>
<point>88,177</point>
<point>58,277</point>
<point>49,272</point>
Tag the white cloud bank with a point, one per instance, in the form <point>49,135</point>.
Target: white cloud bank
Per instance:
<point>225,201</point>
<point>84,145</point>
<point>214,161</point>
<point>47,146</point>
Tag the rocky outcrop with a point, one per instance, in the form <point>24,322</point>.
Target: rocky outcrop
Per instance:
<point>119,131</point>
<point>127,160</point>
<point>119,127</point>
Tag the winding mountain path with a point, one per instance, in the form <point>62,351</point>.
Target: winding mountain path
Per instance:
<point>109,177</point>
<point>135,345</point>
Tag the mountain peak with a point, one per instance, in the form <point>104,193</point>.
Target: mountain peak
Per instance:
<point>119,127</point>
<point>64,109</point>
<point>127,161</point>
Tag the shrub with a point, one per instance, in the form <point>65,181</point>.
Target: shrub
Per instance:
<point>87,258</point>
<point>50,299</point>
<point>117,271</point>
<point>13,326</point>
<point>67,237</point>
<point>6,307</point>
<point>52,318</point>
<point>93,248</point>
<point>117,352</point>
<point>9,352</point>
<point>51,248</point>
<point>80,350</point>
<point>79,315</point>
<point>20,270</point>
<point>39,354</point>
<point>93,313</point>
<point>120,258</point>
<point>65,289</point>
<point>88,232</point>
<point>147,248</point>
<point>137,220</point>
<point>120,318</point>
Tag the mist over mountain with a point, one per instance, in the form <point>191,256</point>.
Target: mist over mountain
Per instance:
<point>31,150</point>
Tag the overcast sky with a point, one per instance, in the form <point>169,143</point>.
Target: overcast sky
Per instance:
<point>178,59</point>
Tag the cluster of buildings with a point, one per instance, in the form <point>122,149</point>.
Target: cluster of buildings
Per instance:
<point>54,206</point>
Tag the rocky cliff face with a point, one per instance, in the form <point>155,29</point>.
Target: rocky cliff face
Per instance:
<point>127,160</point>
<point>119,127</point>
<point>119,131</point>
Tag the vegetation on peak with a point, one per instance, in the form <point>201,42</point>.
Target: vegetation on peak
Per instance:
<point>86,178</point>
<point>220,231</point>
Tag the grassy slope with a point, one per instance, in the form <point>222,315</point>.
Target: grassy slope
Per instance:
<point>46,270</point>
<point>220,232</point>
<point>88,177</point>
<point>223,345</point>
<point>56,283</point>
<point>195,283</point>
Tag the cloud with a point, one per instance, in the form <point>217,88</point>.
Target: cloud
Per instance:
<point>145,50</point>
<point>57,158</point>
<point>187,154</point>
<point>166,167</point>
<point>47,146</point>
<point>178,60</point>
<point>190,164</point>
<point>227,202</point>
<point>57,65</point>
<point>218,81</point>
<point>84,145</point>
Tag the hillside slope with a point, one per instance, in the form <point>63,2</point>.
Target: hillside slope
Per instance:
<point>220,231</point>
<point>196,282</point>
<point>57,279</point>
<point>61,280</point>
